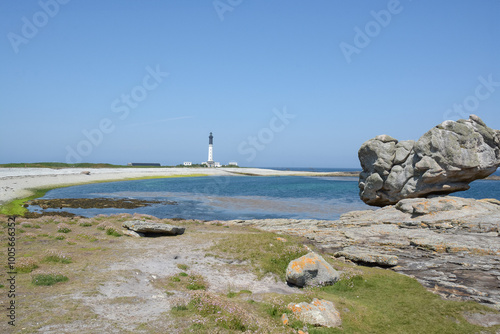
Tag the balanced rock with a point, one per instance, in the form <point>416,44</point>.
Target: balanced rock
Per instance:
<point>444,160</point>
<point>311,270</point>
<point>318,313</point>
<point>150,227</point>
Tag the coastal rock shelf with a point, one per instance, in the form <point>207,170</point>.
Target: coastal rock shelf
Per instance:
<point>449,244</point>
<point>444,160</point>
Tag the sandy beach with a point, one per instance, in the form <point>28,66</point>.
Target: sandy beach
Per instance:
<point>16,182</point>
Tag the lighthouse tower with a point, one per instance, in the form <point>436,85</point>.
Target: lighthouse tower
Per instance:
<point>210,161</point>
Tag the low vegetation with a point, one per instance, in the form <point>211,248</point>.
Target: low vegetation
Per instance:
<point>266,252</point>
<point>48,279</point>
<point>370,300</point>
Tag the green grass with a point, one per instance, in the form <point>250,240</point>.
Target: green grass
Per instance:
<point>182,267</point>
<point>56,259</point>
<point>381,301</point>
<point>26,265</point>
<point>113,232</point>
<point>196,286</point>
<point>262,250</point>
<point>217,313</point>
<point>48,279</point>
<point>16,208</point>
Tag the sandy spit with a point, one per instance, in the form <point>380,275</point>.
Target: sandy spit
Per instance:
<point>17,182</point>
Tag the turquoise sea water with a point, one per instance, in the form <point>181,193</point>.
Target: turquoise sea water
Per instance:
<point>242,197</point>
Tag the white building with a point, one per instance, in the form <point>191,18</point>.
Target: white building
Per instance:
<point>188,163</point>
<point>233,163</point>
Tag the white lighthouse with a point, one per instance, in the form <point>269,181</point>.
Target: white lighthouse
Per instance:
<point>210,161</point>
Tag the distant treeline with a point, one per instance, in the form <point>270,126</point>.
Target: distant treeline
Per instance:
<point>82,165</point>
<point>60,165</point>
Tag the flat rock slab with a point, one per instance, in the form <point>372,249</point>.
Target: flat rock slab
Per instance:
<point>366,256</point>
<point>150,227</point>
<point>483,319</point>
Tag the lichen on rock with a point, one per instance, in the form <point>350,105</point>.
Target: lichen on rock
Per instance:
<point>311,270</point>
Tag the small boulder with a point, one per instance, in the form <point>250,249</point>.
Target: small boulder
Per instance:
<point>311,270</point>
<point>150,227</point>
<point>318,313</point>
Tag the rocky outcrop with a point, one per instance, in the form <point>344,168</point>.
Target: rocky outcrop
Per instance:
<point>444,160</point>
<point>310,270</point>
<point>450,244</point>
<point>149,227</point>
<point>317,313</point>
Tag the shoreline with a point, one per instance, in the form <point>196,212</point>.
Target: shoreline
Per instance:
<point>18,182</point>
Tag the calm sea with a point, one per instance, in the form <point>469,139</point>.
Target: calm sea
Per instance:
<point>243,197</point>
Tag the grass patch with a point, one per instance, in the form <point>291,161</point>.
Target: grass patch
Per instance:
<point>113,232</point>
<point>182,267</point>
<point>26,265</point>
<point>16,207</point>
<point>263,250</point>
<point>48,279</point>
<point>209,311</point>
<point>86,237</point>
<point>57,258</point>
<point>381,301</point>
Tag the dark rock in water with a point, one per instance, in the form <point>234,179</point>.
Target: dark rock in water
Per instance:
<point>149,227</point>
<point>444,160</point>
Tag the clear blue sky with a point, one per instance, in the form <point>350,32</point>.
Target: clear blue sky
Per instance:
<point>70,67</point>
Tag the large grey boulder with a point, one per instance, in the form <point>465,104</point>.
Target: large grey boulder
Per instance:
<point>310,270</point>
<point>149,227</point>
<point>444,160</point>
